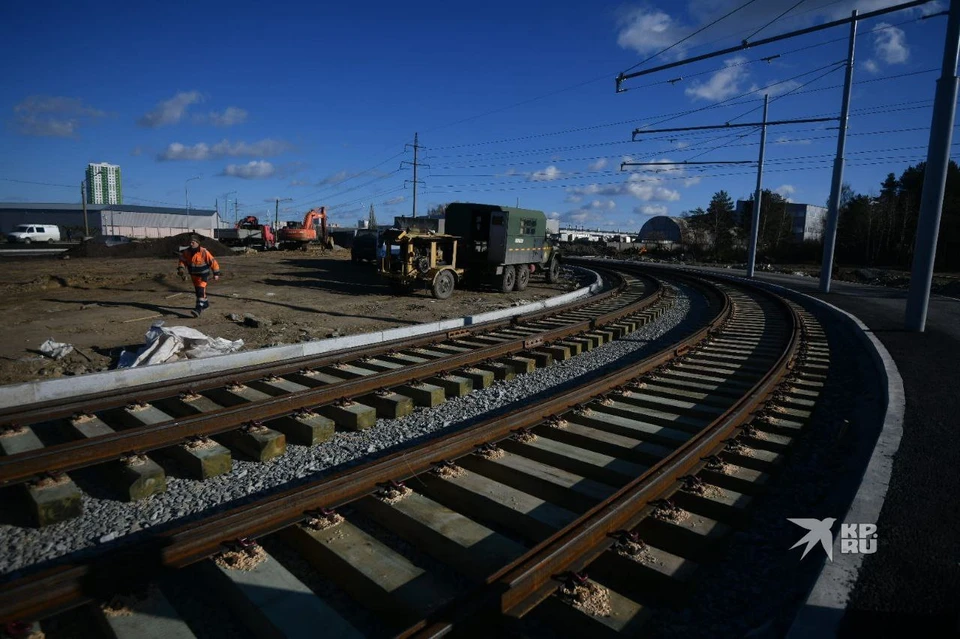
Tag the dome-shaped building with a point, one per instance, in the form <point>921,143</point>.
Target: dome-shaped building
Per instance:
<point>664,231</point>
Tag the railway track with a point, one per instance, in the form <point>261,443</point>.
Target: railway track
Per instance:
<point>585,510</point>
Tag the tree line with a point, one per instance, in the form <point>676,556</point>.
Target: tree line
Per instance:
<point>872,230</point>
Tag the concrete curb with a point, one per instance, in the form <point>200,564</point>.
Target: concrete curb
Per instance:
<point>822,612</point>
<point>50,390</point>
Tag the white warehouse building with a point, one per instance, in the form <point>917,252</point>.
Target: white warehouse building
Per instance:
<point>109,219</point>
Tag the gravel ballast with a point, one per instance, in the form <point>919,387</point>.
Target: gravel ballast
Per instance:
<point>108,521</point>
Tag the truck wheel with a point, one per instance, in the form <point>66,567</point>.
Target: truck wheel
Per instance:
<point>553,271</point>
<point>509,277</point>
<point>523,277</point>
<point>26,240</point>
<point>443,285</point>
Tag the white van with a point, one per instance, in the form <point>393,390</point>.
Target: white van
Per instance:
<point>27,233</point>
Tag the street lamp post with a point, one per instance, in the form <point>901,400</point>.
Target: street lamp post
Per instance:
<point>226,206</point>
<point>186,199</point>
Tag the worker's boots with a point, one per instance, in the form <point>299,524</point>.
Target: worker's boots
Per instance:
<point>201,306</point>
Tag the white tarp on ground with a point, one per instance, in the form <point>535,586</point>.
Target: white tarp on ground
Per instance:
<point>169,344</point>
<point>56,350</point>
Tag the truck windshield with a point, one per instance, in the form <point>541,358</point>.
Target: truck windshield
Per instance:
<point>23,228</point>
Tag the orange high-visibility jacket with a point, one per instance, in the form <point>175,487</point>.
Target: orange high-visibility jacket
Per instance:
<point>199,263</point>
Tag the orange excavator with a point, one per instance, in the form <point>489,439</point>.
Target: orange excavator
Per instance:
<point>299,235</point>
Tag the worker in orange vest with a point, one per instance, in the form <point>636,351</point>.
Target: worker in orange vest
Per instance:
<point>201,264</point>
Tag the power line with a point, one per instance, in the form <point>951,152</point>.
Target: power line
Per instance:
<point>682,40</point>
<point>828,25</point>
<point>774,20</point>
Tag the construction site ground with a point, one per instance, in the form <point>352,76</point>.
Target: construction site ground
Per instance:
<point>102,300</point>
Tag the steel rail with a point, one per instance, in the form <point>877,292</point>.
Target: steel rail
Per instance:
<point>148,392</point>
<point>67,586</point>
<point>82,453</point>
<point>518,587</point>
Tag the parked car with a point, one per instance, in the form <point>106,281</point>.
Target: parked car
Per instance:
<point>115,240</point>
<point>109,240</point>
<point>28,233</point>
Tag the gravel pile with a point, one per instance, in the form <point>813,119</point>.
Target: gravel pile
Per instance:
<point>107,521</point>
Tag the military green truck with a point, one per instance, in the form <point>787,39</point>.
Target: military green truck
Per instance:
<point>501,244</point>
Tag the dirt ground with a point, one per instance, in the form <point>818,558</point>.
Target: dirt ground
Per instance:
<point>102,300</point>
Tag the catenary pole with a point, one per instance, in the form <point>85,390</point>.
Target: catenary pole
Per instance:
<point>416,147</point>
<point>83,198</point>
<point>755,225</point>
<point>934,177</point>
<point>836,187</point>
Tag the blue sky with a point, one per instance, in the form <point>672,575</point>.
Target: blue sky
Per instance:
<point>513,102</point>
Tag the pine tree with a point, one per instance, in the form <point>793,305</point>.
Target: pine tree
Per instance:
<point>720,213</point>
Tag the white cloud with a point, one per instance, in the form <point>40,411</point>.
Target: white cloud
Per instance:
<point>651,209</point>
<point>774,88</point>
<point>171,111</point>
<point>229,117</point>
<point>870,66</point>
<point>890,44</point>
<point>546,175</point>
<point>788,140</point>
<point>642,187</point>
<point>723,84</point>
<point>301,183</point>
<point>647,30</point>
<point>46,127</point>
<point>253,170</point>
<point>224,148</point>
<point>395,200</point>
<point>52,116</point>
<point>336,178</point>
<point>597,164</point>
<point>692,181</point>
<point>573,199</point>
<point>786,190</point>
<point>609,204</point>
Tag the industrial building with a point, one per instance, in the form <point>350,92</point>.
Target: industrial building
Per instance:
<point>109,219</point>
<point>104,185</point>
<point>807,219</point>
<point>574,234</point>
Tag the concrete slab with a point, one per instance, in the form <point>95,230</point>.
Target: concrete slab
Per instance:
<point>486,500</point>
<point>136,477</point>
<point>148,617</point>
<point>272,602</point>
<point>388,404</point>
<point>422,394</point>
<point>453,385</point>
<point>351,415</point>
<point>50,499</point>
<point>447,535</point>
<point>374,574</point>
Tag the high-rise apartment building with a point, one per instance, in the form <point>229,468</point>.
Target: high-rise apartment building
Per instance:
<point>103,184</point>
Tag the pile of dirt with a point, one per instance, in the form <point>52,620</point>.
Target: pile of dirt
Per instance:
<point>162,247</point>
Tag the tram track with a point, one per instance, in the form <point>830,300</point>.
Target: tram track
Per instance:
<point>302,401</point>
<point>682,409</point>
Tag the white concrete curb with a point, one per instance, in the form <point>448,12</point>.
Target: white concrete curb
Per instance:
<point>49,390</point>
